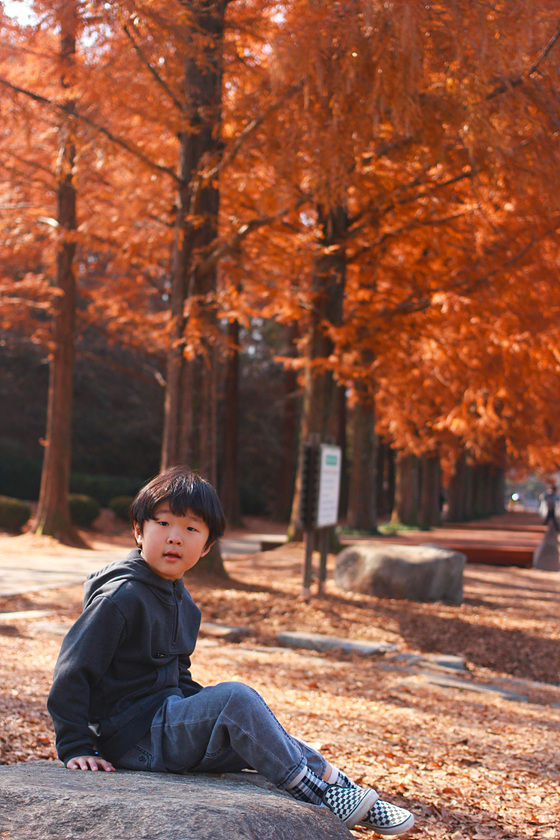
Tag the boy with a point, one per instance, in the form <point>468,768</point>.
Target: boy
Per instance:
<point>123,695</point>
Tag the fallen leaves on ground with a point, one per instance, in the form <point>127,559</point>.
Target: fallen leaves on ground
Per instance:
<point>471,766</point>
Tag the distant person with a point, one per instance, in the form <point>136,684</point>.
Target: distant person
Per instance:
<point>122,693</point>
<point>549,500</point>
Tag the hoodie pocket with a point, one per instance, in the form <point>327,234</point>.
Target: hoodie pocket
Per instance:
<point>167,675</point>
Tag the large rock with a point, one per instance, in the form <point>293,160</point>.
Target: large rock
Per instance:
<point>410,572</point>
<point>41,800</point>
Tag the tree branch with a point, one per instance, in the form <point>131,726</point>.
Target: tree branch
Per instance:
<point>518,80</point>
<point>412,305</point>
<point>242,232</point>
<point>161,82</point>
<point>249,128</point>
<point>205,175</point>
<point>430,188</point>
<point>65,109</point>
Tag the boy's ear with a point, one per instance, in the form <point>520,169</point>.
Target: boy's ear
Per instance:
<point>137,533</point>
<point>207,549</point>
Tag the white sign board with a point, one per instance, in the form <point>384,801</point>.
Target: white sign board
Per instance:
<point>330,469</point>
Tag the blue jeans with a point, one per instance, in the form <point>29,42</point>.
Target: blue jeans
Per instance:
<point>223,729</point>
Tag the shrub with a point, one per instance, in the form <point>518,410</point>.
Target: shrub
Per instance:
<point>20,475</point>
<point>104,487</point>
<point>253,502</point>
<point>83,510</point>
<point>120,506</point>
<point>13,513</point>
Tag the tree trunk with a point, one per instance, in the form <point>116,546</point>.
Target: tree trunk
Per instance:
<point>430,490</point>
<point>380,481</point>
<point>406,509</point>
<point>189,434</point>
<point>455,489</point>
<point>229,486</point>
<point>196,225</point>
<point>385,484</point>
<point>498,490</point>
<point>287,467</point>
<point>461,492</point>
<point>497,480</point>
<point>475,491</point>
<point>320,414</point>
<point>53,513</point>
<point>362,507</point>
<point>341,440</point>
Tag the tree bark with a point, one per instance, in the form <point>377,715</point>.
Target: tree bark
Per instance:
<point>362,505</point>
<point>454,507</point>
<point>385,486</point>
<point>287,467</point>
<point>196,225</point>
<point>460,501</point>
<point>430,490</point>
<point>229,487</point>
<point>53,513</point>
<point>189,434</point>
<point>406,508</point>
<point>321,406</point>
<point>498,480</point>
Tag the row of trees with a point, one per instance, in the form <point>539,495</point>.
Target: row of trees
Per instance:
<point>364,192</point>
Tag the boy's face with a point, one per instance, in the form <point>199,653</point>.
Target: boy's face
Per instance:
<point>171,544</point>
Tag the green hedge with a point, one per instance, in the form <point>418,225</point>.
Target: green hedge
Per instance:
<point>104,487</point>
<point>120,506</point>
<point>83,510</point>
<point>13,514</point>
<point>20,475</point>
<point>20,478</point>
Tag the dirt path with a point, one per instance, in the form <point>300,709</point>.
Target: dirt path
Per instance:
<point>471,765</point>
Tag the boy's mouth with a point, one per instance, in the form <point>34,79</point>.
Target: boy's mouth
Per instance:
<point>172,555</point>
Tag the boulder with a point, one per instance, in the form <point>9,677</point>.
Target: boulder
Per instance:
<point>41,800</point>
<point>409,572</point>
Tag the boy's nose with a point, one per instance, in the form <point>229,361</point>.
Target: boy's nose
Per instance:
<point>174,538</point>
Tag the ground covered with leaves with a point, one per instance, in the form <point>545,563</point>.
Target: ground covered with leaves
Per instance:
<point>471,765</point>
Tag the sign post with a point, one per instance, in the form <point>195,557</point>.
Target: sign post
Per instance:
<point>320,493</point>
<point>330,469</point>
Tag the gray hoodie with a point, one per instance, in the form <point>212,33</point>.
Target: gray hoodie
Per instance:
<point>129,650</point>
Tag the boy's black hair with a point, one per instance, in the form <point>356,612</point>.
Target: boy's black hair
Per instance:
<point>183,490</point>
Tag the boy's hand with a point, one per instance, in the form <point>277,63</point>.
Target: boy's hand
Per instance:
<point>89,762</point>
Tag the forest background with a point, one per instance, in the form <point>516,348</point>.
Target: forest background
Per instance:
<point>228,226</point>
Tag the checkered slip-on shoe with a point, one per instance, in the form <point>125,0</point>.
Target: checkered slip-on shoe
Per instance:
<point>386,818</point>
<point>350,804</point>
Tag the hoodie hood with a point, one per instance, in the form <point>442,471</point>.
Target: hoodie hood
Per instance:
<point>133,567</point>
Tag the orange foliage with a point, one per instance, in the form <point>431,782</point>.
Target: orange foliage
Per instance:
<point>434,125</point>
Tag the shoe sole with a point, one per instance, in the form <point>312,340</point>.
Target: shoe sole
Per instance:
<point>361,808</point>
<point>398,829</point>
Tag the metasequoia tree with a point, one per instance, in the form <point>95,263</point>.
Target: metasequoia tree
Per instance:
<point>370,178</point>
<point>342,45</point>
<point>164,49</point>
<point>193,50</point>
<point>195,343</point>
<point>48,159</point>
<point>53,514</point>
<point>196,222</point>
<point>444,232</point>
<point>179,54</point>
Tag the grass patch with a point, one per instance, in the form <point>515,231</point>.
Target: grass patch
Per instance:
<point>395,527</point>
